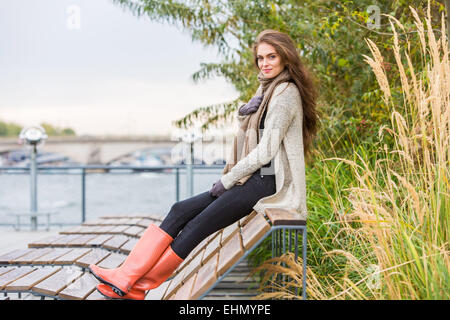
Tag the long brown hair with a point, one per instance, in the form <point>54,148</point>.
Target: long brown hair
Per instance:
<point>301,76</point>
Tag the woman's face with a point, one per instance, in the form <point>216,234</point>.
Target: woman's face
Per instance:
<point>269,61</point>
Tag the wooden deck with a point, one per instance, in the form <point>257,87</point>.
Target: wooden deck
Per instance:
<point>56,267</point>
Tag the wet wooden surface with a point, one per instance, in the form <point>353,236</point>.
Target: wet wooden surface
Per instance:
<point>55,266</point>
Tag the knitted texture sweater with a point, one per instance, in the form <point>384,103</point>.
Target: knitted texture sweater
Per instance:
<point>282,141</point>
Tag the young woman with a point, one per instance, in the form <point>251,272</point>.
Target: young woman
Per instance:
<point>266,169</point>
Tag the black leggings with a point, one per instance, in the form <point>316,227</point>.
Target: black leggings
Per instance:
<point>192,220</point>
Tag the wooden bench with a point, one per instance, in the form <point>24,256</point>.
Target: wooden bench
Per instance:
<point>213,259</point>
<point>56,266</point>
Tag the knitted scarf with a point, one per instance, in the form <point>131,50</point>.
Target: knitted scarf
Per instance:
<point>247,137</point>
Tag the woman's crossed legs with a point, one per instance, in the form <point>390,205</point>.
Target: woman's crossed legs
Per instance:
<point>192,220</point>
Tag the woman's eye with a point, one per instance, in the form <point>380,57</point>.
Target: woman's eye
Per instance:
<point>271,57</point>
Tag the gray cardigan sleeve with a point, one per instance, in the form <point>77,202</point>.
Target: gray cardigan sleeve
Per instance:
<point>280,113</point>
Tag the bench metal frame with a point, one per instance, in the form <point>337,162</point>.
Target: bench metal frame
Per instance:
<point>34,293</point>
<point>278,247</point>
<point>33,215</point>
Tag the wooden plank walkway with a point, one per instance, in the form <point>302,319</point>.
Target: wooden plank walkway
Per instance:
<point>56,267</point>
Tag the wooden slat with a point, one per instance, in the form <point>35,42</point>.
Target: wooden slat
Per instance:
<point>44,242</point>
<point>194,265</point>
<point>176,282</point>
<point>184,292</point>
<point>122,221</point>
<point>15,254</point>
<point>133,215</point>
<point>201,246</point>
<point>212,248</point>
<point>134,221</point>
<point>145,223</point>
<point>284,217</point>
<point>95,256</point>
<point>206,277</point>
<point>118,229</point>
<point>81,241</point>
<point>32,256</point>
<point>157,293</point>
<point>14,274</point>
<point>111,222</point>
<point>229,254</point>
<point>50,257</point>
<point>102,229</point>
<point>95,222</point>
<point>4,270</point>
<point>247,218</point>
<point>133,231</point>
<point>80,288</point>
<point>72,256</point>
<point>229,231</point>
<point>99,240</point>
<point>114,260</point>
<point>115,242</point>
<point>128,221</point>
<point>95,295</point>
<point>254,230</point>
<point>129,245</point>
<point>140,233</point>
<point>80,230</point>
<point>71,230</point>
<point>64,240</point>
<point>57,282</point>
<point>32,279</point>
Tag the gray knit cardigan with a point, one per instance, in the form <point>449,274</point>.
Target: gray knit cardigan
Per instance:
<point>282,141</point>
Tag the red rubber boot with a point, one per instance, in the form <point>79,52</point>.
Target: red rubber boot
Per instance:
<point>141,260</point>
<point>162,270</point>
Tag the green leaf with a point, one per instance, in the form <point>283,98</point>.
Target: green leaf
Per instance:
<point>342,62</point>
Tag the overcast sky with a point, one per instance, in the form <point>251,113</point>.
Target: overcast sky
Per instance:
<point>95,67</point>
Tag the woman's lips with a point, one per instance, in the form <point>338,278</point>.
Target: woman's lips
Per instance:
<point>267,70</point>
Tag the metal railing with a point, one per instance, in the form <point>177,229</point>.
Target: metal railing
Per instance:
<point>278,238</point>
<point>85,170</point>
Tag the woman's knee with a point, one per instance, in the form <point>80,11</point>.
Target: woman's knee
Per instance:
<point>176,212</point>
<point>192,234</point>
<point>176,207</point>
<point>186,209</point>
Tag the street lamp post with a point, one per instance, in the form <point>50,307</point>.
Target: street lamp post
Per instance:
<point>33,136</point>
<point>190,137</point>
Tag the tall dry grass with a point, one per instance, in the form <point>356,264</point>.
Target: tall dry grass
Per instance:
<point>397,225</point>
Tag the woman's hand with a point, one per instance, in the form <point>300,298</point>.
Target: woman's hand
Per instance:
<point>217,189</point>
<point>251,106</point>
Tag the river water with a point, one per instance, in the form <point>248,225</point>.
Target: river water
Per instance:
<point>106,194</point>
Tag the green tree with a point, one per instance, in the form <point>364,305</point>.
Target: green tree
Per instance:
<point>8,129</point>
<point>3,129</point>
<point>68,132</point>
<point>11,129</point>
<point>330,36</point>
<point>49,129</point>
<point>56,131</point>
